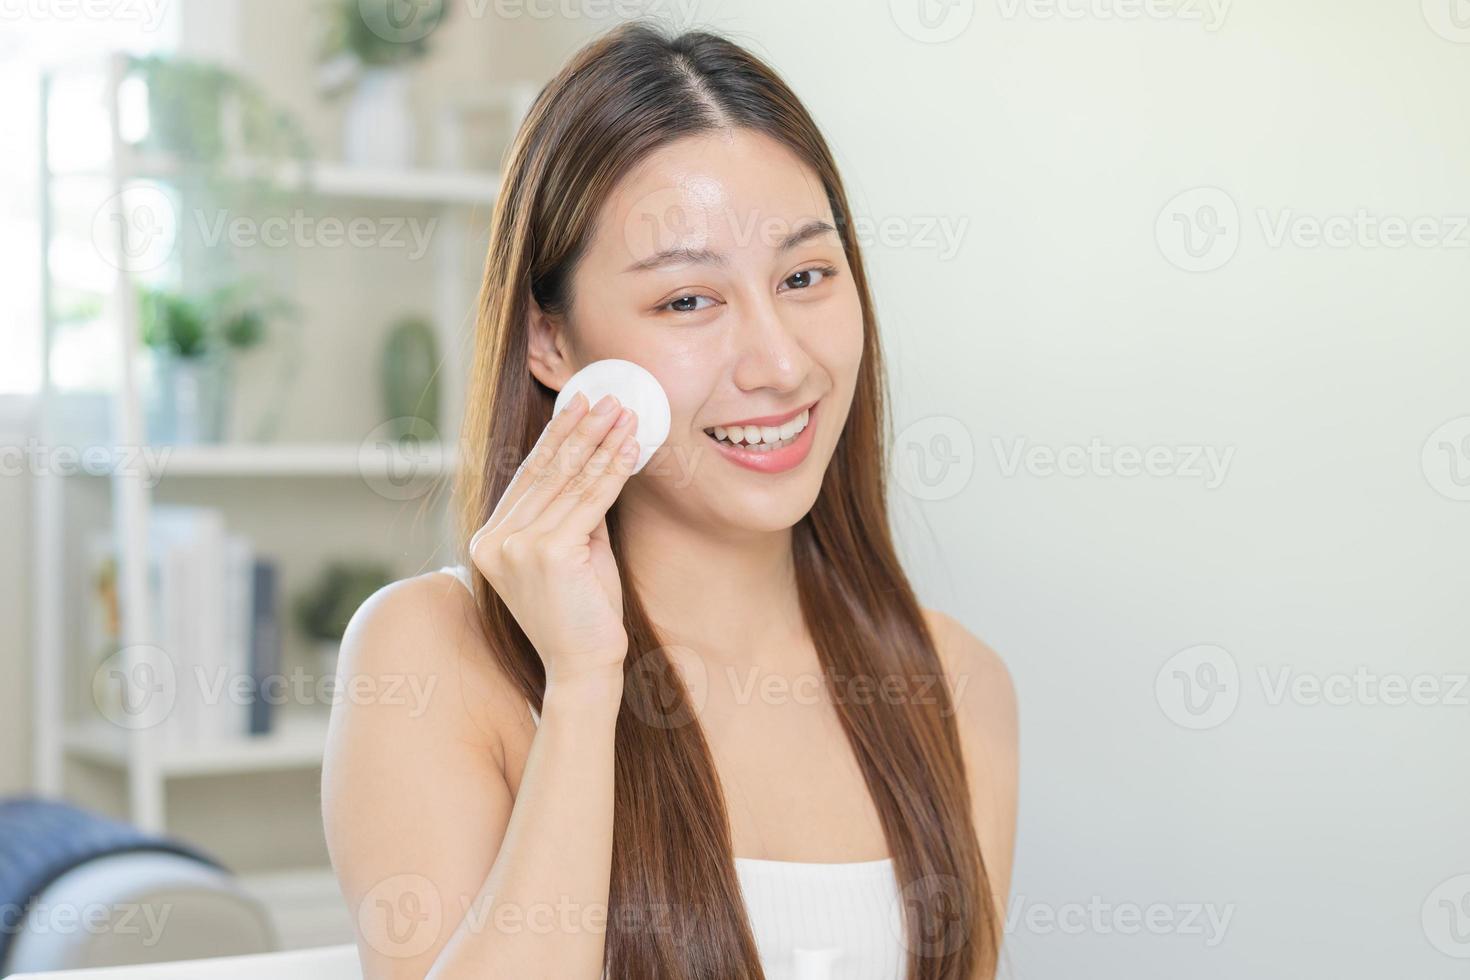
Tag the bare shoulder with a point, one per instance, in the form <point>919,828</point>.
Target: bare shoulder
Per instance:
<point>421,636</point>
<point>413,777</point>
<point>984,698</point>
<point>984,693</point>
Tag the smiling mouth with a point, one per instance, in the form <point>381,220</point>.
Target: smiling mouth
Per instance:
<point>763,438</point>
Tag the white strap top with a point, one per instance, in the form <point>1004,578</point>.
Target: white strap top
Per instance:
<point>815,920</point>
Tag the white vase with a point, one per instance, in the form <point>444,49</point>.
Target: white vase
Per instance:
<point>378,130</point>
<point>187,398</point>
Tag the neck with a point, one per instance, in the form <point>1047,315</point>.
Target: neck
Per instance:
<point>729,594</point>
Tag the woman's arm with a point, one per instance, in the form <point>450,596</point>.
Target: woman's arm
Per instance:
<point>447,873</point>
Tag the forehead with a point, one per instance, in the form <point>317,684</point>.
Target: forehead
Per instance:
<point>727,190</point>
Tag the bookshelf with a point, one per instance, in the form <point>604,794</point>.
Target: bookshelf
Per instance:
<point>64,736</point>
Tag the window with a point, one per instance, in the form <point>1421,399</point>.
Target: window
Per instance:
<point>33,37</point>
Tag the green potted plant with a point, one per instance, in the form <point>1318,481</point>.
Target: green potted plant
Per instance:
<point>200,113</point>
<point>369,46</point>
<point>191,342</point>
<point>323,610</point>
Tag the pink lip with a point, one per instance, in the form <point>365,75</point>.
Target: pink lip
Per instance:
<point>777,460</point>
<point>769,419</point>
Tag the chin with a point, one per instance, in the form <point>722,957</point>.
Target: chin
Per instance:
<point>765,512</point>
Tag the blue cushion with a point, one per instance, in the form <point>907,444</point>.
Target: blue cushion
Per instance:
<point>40,840</point>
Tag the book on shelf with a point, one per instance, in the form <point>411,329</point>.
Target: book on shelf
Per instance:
<point>215,609</point>
<point>264,654</point>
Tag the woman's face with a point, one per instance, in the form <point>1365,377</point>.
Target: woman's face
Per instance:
<point>716,265</point>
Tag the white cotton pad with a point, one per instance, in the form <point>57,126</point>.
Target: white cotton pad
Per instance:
<point>634,388</point>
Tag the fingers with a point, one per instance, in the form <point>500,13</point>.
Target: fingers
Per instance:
<point>566,465</point>
<point>578,511</point>
<point>549,470</point>
<point>562,425</point>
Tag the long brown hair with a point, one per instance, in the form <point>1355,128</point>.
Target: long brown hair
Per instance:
<point>628,92</point>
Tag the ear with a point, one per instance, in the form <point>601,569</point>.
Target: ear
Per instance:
<point>549,354</point>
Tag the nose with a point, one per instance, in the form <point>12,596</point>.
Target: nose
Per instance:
<point>770,350</point>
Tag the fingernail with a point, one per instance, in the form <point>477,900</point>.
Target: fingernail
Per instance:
<point>603,406</point>
<point>624,417</point>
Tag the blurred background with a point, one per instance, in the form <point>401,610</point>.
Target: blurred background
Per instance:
<point>1173,294</point>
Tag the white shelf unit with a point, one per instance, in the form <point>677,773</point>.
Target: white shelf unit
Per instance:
<point>295,744</point>
<point>333,180</point>
<point>297,460</point>
<point>146,763</point>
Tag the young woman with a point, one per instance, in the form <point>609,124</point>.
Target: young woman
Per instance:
<point>690,722</point>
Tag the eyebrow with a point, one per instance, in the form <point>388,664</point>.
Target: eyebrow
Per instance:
<point>684,254</point>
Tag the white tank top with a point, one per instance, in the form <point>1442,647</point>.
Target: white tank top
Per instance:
<point>815,920</point>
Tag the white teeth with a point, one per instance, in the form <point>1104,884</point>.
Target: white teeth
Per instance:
<point>762,438</point>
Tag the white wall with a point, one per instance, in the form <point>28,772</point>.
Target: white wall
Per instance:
<point>1056,143</point>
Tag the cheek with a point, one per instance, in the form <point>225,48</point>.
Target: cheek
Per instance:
<point>836,338</point>
<point>687,379</point>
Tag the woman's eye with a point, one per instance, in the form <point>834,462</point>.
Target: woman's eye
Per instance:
<point>804,278</point>
<point>682,304</point>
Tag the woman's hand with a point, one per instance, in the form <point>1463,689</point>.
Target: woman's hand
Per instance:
<point>545,549</point>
